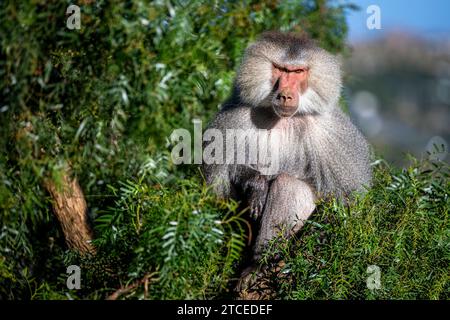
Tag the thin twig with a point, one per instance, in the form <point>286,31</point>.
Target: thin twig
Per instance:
<point>123,290</point>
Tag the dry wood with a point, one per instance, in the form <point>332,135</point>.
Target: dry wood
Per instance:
<point>126,289</point>
<point>70,208</point>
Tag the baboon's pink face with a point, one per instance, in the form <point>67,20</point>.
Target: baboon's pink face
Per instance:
<point>288,83</point>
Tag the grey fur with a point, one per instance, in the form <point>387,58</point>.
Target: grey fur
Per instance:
<point>321,152</point>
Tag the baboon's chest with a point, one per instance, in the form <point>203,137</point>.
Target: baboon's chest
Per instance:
<point>282,149</point>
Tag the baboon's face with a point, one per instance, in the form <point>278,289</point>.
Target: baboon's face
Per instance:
<point>289,82</point>
<point>288,74</point>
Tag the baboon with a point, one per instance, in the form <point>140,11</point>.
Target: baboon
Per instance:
<point>290,87</point>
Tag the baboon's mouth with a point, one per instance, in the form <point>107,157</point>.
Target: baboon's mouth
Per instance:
<point>283,111</point>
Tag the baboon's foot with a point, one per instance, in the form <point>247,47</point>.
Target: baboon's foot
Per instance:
<point>253,284</point>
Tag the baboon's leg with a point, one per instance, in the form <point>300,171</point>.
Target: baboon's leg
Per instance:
<point>289,204</point>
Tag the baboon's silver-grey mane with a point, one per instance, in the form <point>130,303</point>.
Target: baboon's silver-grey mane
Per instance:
<point>254,74</point>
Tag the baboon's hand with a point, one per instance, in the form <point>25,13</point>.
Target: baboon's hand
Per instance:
<point>256,188</point>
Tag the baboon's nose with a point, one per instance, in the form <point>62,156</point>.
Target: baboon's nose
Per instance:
<point>285,97</point>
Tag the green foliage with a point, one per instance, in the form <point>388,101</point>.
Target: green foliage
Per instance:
<point>178,232</point>
<point>400,225</point>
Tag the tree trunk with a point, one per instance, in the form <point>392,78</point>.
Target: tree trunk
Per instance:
<point>70,208</point>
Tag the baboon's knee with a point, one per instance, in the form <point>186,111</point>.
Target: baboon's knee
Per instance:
<point>289,204</point>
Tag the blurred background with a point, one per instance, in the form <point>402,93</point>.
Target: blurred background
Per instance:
<point>398,83</point>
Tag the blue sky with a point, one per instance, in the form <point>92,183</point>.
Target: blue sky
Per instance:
<point>429,18</point>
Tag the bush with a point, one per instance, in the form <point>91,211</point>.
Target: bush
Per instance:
<point>400,225</point>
